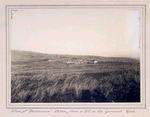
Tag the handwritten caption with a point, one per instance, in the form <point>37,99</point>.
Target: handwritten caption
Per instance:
<point>63,111</point>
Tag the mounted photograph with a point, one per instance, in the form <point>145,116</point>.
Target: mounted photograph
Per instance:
<point>75,55</point>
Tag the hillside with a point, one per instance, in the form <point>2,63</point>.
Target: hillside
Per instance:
<point>38,77</point>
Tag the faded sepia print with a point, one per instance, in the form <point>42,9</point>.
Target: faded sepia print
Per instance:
<point>75,55</point>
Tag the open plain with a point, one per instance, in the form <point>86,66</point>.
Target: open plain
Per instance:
<point>38,77</point>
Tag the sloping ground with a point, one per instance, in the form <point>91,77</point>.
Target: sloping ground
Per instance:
<point>34,79</point>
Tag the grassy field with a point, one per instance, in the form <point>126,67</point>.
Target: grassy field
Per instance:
<point>37,77</point>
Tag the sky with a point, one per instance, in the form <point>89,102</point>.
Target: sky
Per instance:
<point>100,32</point>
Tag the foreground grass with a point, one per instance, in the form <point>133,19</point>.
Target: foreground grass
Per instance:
<point>117,86</point>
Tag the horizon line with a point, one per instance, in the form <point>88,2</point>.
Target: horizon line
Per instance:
<point>79,54</point>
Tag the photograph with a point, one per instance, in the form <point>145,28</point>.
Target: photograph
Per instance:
<point>75,54</point>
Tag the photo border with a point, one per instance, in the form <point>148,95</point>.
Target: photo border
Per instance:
<point>77,105</point>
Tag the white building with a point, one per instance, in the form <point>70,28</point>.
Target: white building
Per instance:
<point>95,62</point>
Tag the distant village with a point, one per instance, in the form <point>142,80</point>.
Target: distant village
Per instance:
<point>82,62</point>
<point>79,61</point>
